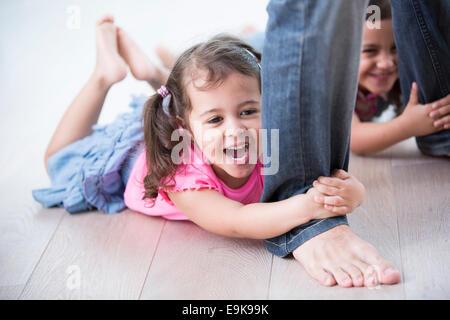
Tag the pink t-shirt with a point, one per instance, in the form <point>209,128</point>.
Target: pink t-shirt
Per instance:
<point>193,176</point>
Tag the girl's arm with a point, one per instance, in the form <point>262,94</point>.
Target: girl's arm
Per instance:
<point>416,120</point>
<point>214,212</point>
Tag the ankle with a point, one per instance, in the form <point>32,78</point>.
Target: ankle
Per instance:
<point>100,80</point>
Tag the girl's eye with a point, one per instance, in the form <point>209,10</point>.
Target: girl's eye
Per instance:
<point>248,112</point>
<point>215,120</point>
<point>369,51</point>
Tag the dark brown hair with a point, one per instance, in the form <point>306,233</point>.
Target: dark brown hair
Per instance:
<point>219,56</point>
<point>385,9</point>
<point>393,96</point>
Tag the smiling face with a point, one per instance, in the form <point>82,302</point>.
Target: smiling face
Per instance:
<point>225,122</point>
<point>378,68</point>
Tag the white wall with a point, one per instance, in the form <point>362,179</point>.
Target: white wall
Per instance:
<point>44,63</point>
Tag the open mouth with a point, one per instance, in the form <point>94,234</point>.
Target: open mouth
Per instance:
<point>237,153</point>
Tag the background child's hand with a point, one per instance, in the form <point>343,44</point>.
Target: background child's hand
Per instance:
<point>341,193</point>
<point>421,120</point>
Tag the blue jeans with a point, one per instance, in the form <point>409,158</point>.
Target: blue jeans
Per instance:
<point>422,35</point>
<point>309,80</point>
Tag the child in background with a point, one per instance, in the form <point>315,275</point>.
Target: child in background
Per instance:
<point>378,122</point>
<point>213,95</point>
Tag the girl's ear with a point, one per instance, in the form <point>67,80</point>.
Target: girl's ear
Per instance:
<point>180,121</point>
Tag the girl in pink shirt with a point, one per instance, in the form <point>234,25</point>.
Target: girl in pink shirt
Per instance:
<point>200,158</point>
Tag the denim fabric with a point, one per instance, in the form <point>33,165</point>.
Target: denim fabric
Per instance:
<point>92,173</point>
<point>422,36</point>
<point>309,80</point>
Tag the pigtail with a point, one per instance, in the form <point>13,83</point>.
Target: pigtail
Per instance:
<point>158,128</point>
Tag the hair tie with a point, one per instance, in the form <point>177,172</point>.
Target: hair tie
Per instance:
<point>254,57</point>
<point>164,93</point>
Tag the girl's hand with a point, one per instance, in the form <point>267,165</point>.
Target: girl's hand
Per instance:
<point>317,209</point>
<point>419,119</point>
<point>341,193</point>
<point>441,112</point>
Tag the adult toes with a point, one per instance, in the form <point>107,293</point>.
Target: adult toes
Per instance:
<point>356,275</point>
<point>390,275</point>
<point>342,278</point>
<point>369,273</point>
<point>321,276</point>
<point>386,272</point>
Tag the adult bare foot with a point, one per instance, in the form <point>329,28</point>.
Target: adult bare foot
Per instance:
<point>141,67</point>
<point>339,256</point>
<point>110,67</point>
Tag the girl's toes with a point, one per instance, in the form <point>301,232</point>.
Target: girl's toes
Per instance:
<point>105,18</point>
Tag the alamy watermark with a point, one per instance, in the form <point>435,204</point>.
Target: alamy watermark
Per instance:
<point>247,147</point>
<point>74,280</point>
<point>374,20</point>
<point>73,21</point>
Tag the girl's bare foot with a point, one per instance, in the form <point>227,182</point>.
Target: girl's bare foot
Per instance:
<point>339,256</point>
<point>110,68</point>
<point>166,56</point>
<point>141,67</point>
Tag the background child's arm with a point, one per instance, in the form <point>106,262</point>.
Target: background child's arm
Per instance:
<point>371,137</point>
<point>214,212</point>
<point>416,120</point>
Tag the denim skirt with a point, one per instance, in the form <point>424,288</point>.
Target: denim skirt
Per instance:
<point>91,173</point>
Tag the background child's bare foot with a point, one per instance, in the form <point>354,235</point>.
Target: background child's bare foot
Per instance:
<point>110,67</point>
<point>166,56</point>
<point>247,31</point>
<point>339,256</point>
<point>141,67</point>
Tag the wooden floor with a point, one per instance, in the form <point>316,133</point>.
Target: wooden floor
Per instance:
<point>50,254</point>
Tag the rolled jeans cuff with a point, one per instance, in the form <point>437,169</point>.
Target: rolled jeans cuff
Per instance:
<point>288,242</point>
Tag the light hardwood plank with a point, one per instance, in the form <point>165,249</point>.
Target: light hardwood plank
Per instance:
<point>25,227</point>
<point>422,196</point>
<point>192,263</point>
<point>10,292</point>
<point>96,256</point>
